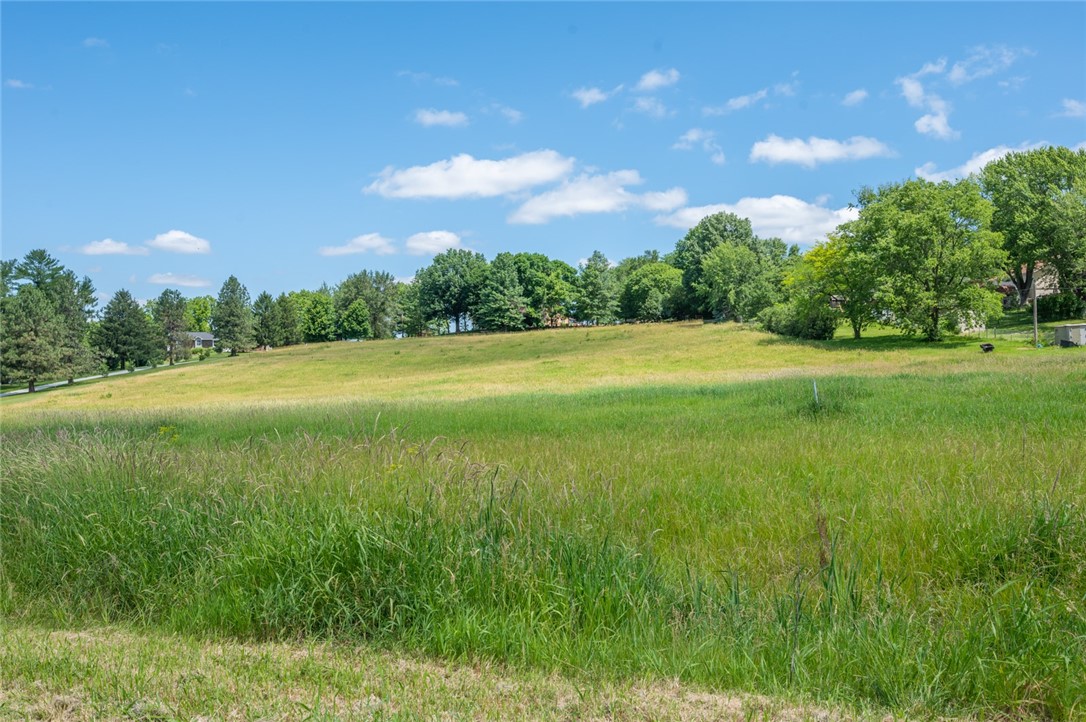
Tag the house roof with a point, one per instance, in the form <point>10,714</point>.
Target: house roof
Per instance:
<point>201,335</point>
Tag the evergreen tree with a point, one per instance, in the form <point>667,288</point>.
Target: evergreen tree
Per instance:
<point>265,321</point>
<point>125,335</point>
<point>232,321</point>
<point>501,305</point>
<point>33,335</point>
<point>169,313</point>
<point>597,299</point>
<point>288,326</point>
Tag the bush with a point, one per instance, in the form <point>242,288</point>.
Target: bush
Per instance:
<point>816,321</point>
<point>1060,307</point>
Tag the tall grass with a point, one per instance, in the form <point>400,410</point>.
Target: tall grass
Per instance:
<point>361,532</point>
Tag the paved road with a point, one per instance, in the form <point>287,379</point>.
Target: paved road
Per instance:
<point>42,387</point>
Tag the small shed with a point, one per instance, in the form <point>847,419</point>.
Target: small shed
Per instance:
<point>1071,334</point>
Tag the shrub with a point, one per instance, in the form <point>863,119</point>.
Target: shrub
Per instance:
<point>816,321</point>
<point>1060,307</point>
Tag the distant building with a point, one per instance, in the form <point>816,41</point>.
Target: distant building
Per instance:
<point>200,339</point>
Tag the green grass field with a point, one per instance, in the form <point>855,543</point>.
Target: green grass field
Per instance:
<point>626,508</point>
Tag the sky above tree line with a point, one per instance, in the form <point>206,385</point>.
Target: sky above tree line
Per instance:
<point>153,145</point>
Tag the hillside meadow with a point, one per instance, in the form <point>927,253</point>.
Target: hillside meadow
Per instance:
<point>649,504</point>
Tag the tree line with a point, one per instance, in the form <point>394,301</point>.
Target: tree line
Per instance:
<point>921,256</point>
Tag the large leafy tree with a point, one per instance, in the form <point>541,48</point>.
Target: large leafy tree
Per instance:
<point>933,251</point>
<point>651,291</point>
<point>169,314</point>
<point>738,282</point>
<point>355,321</point>
<point>502,305</point>
<point>449,287</point>
<point>710,232</point>
<point>316,315</point>
<point>126,335</point>
<point>33,336</point>
<point>198,313</point>
<point>380,293</point>
<point>232,321</point>
<point>842,267</point>
<point>596,294</point>
<point>1028,191</point>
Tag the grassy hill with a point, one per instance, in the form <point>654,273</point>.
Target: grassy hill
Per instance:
<point>649,503</point>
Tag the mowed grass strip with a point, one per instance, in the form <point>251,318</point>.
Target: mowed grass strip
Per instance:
<point>108,673</point>
<point>910,542</point>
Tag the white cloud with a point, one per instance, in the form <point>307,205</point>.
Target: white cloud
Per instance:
<point>813,151</point>
<point>936,121</point>
<point>428,117</point>
<point>706,139</point>
<point>595,194</point>
<point>1073,109</point>
<point>737,103</point>
<point>18,84</point>
<point>110,247</point>
<point>179,242</point>
<point>95,43</point>
<point>367,243</point>
<point>984,61</point>
<point>651,107</point>
<point>175,279</point>
<point>428,78</point>
<point>463,176</point>
<point>975,163</point>
<point>513,115</point>
<point>855,97</point>
<point>742,102</point>
<point>785,217</point>
<point>431,243</point>
<point>591,96</point>
<point>656,79</point>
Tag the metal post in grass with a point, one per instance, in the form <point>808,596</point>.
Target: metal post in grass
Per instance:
<point>1035,340</point>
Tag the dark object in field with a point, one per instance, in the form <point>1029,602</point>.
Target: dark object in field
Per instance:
<point>987,347</point>
<point>1064,343</point>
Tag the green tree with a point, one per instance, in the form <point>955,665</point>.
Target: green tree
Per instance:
<point>449,287</point>
<point>265,321</point>
<point>355,321</point>
<point>1027,191</point>
<point>8,276</point>
<point>288,324</point>
<point>125,336</point>
<point>501,305</point>
<point>316,314</point>
<point>232,322</point>
<point>596,295</point>
<point>841,267</point>
<point>40,269</point>
<point>198,313</point>
<point>380,292</point>
<point>169,314</point>
<point>651,291</point>
<point>933,251</point>
<point>33,335</point>
<point>710,232</point>
<point>74,300</point>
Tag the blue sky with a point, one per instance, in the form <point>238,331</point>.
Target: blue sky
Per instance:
<point>152,144</point>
